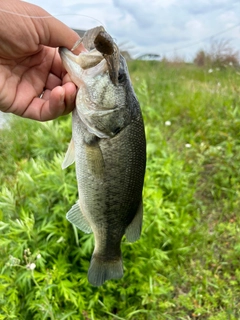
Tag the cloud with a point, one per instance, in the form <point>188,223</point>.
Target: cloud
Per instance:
<point>152,26</point>
<point>200,7</point>
<point>143,14</point>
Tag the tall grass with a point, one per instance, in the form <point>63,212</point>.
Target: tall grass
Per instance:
<point>186,264</point>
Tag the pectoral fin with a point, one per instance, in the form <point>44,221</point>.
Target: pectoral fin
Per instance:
<point>76,217</point>
<point>133,231</point>
<point>95,161</point>
<point>69,156</point>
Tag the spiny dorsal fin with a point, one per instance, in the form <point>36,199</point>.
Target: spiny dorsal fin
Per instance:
<point>76,217</point>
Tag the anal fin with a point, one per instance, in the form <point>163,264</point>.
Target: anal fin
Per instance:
<point>133,230</point>
<point>76,217</point>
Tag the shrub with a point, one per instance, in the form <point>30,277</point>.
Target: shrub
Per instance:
<point>220,55</point>
<point>186,264</point>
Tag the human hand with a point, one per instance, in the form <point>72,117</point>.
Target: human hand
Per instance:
<point>33,83</point>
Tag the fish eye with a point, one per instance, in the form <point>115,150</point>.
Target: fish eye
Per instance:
<point>121,76</point>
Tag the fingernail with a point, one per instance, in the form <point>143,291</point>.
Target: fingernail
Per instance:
<point>62,98</point>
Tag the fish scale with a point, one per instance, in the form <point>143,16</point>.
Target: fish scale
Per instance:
<point>109,149</point>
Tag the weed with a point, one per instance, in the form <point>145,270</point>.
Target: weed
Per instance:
<point>186,264</point>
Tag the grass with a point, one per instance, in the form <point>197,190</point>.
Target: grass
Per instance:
<point>186,264</point>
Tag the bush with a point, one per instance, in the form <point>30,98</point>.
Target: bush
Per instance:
<point>220,55</point>
<point>186,264</point>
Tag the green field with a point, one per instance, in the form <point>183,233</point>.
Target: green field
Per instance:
<point>186,264</point>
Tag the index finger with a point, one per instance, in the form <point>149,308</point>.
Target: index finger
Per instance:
<point>51,31</point>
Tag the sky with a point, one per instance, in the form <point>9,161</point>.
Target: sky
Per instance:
<point>170,28</point>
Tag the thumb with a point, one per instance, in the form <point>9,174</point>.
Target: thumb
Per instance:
<point>51,31</point>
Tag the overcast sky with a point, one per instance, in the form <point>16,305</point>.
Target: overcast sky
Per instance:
<point>165,27</point>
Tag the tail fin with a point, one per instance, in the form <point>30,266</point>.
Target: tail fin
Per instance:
<point>101,270</point>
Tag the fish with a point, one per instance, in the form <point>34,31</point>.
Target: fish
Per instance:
<point>108,147</point>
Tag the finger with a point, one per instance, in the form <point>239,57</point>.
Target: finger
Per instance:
<point>57,65</point>
<point>45,95</point>
<point>70,97</point>
<point>70,91</point>
<point>66,78</point>
<point>39,110</point>
<point>56,33</point>
<point>52,81</point>
<point>59,101</point>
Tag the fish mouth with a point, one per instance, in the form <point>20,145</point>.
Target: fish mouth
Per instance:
<point>98,39</point>
<point>89,63</point>
<point>85,60</point>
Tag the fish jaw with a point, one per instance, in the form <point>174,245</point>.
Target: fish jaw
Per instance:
<point>84,65</point>
<point>70,62</point>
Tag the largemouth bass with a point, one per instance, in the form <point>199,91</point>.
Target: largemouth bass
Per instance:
<point>109,149</point>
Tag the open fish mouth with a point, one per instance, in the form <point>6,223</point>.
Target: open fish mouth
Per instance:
<point>97,38</point>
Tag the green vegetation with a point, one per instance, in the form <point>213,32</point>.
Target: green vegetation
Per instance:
<point>186,264</point>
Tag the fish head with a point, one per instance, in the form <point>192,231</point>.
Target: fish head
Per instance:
<point>105,92</point>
